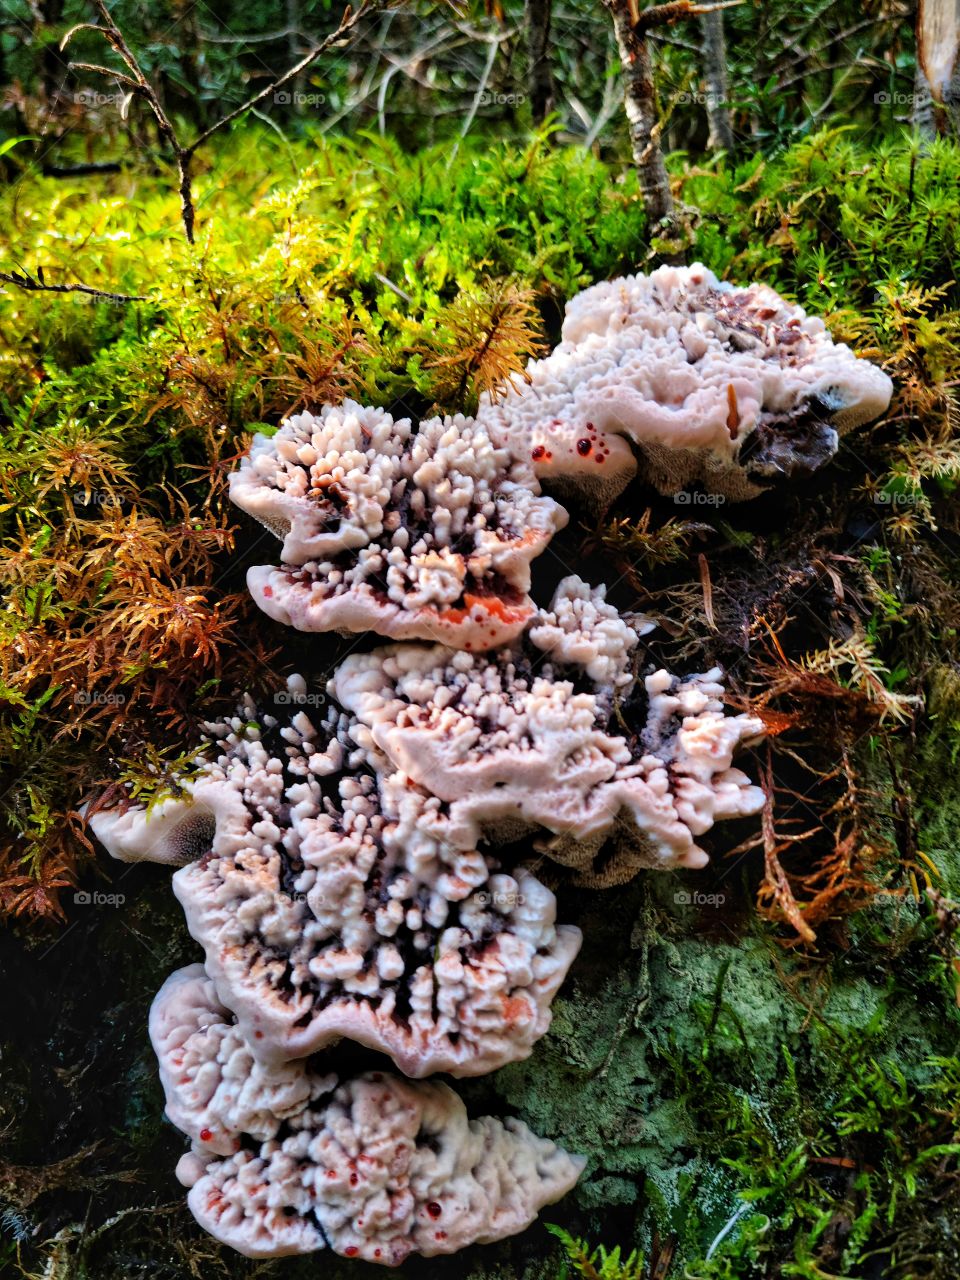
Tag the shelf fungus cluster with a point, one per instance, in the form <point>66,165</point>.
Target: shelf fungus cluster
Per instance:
<point>693,379</point>
<point>338,864</point>
<point>354,858</point>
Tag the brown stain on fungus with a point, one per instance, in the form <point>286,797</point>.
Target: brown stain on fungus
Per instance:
<point>733,411</point>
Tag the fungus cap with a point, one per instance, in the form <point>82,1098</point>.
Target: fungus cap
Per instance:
<point>713,385</point>
<point>415,535</point>
<point>375,1167</point>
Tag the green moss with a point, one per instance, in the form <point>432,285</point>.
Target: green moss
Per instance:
<point>671,1057</point>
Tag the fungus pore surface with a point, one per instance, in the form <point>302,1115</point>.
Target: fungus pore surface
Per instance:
<point>374,1167</point>
<point>713,385</point>
<point>559,734</point>
<point>413,534</point>
<point>331,902</point>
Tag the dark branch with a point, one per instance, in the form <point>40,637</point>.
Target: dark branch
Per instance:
<point>80,170</point>
<point>29,285</point>
<point>660,15</point>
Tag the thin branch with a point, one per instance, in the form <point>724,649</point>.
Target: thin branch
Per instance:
<point>29,285</point>
<point>347,24</point>
<point>481,90</point>
<point>263,38</point>
<point>659,15</point>
<point>110,73</point>
<point>138,84</point>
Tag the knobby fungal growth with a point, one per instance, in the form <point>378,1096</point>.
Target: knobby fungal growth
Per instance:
<point>330,901</point>
<point>289,1160</point>
<point>413,534</point>
<point>338,855</point>
<point>558,735</point>
<point>340,876</point>
<point>713,385</point>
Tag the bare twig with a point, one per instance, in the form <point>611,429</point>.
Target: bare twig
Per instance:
<point>347,24</point>
<point>29,285</point>
<point>484,79</point>
<point>660,15</point>
<point>138,84</point>
<point>775,875</point>
<point>264,37</point>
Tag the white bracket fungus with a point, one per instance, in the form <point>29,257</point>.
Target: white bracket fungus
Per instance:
<point>290,1161</point>
<point>713,385</point>
<point>414,535</point>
